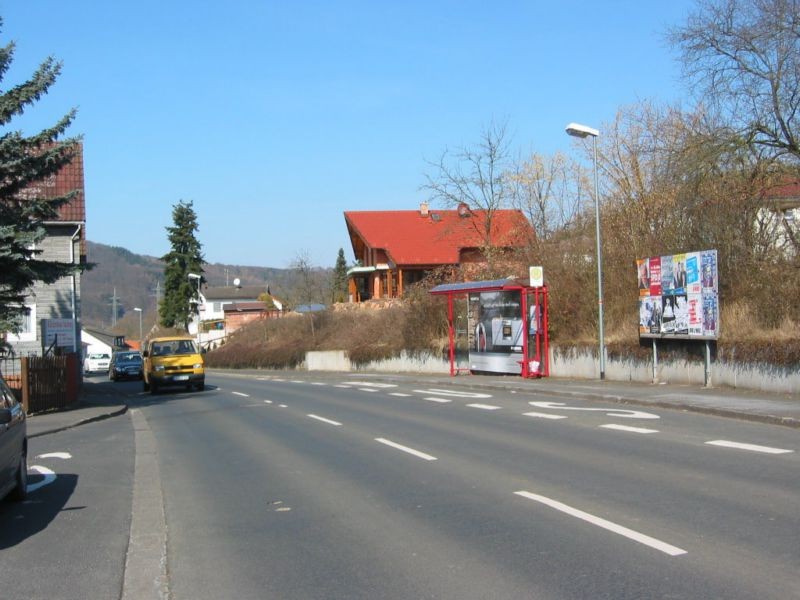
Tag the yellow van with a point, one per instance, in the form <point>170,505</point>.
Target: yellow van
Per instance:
<point>173,361</point>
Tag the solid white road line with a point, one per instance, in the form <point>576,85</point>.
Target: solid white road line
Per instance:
<point>240,394</point>
<point>439,400</point>
<point>324,420</point>
<point>416,453</point>
<point>456,393</point>
<point>630,429</point>
<point>751,447</point>
<point>484,406</point>
<point>544,415</point>
<point>618,529</point>
<point>370,384</point>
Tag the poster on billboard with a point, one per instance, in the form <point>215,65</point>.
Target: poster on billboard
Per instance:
<point>496,331</point>
<point>678,295</point>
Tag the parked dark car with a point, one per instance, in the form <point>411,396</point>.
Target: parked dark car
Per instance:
<point>13,446</point>
<point>125,365</point>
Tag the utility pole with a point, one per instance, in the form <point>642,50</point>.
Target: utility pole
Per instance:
<point>114,299</point>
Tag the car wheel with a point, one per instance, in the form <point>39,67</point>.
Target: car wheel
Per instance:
<point>20,492</point>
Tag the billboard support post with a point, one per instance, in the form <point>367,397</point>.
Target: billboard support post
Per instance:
<point>708,364</point>
<point>655,361</point>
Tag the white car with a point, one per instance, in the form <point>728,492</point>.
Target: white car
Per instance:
<point>96,362</point>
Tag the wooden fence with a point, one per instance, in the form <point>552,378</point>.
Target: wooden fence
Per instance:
<point>49,382</point>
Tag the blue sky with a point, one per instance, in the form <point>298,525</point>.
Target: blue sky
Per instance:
<point>274,118</point>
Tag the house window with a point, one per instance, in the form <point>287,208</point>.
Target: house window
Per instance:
<point>27,329</point>
<point>217,307</point>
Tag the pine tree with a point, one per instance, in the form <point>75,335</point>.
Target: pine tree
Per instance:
<point>186,257</point>
<point>24,163</point>
<point>340,278</point>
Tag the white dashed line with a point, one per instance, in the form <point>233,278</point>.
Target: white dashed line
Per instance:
<point>367,390</point>
<point>318,383</point>
<point>439,400</point>
<point>455,393</point>
<point>267,401</point>
<point>630,429</point>
<point>240,394</point>
<point>618,529</point>
<point>411,451</point>
<point>751,447</point>
<point>484,406</point>
<point>345,387</point>
<point>539,415</point>
<point>399,394</point>
<point>324,420</point>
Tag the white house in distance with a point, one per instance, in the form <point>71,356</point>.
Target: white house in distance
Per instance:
<point>223,310</point>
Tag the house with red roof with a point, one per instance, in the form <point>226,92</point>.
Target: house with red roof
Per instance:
<point>397,248</point>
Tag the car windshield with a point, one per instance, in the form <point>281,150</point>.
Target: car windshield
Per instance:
<point>130,357</point>
<point>174,347</point>
<point>99,356</point>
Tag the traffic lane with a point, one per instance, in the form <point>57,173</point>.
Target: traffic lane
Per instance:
<point>680,425</point>
<point>630,505</point>
<point>69,539</point>
<point>259,505</point>
<point>757,493</point>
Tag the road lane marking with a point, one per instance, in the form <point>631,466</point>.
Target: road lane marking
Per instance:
<point>399,394</point>
<point>61,455</point>
<point>373,390</point>
<point>457,394</point>
<point>282,406</point>
<point>240,394</point>
<point>618,529</point>
<point>439,400</point>
<point>49,477</point>
<point>346,387</point>
<point>751,447</point>
<point>539,415</point>
<point>318,383</point>
<point>267,401</point>
<point>324,420</point>
<point>397,446</point>
<point>371,384</point>
<point>485,406</point>
<point>611,412</point>
<point>630,429</point>
<point>296,381</point>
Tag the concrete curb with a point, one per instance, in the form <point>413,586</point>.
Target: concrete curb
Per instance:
<point>101,417</point>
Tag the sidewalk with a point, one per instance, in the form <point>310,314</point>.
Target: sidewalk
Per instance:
<point>95,403</point>
<point>98,401</point>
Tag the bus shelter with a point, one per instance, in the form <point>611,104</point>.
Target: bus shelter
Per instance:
<point>506,328</point>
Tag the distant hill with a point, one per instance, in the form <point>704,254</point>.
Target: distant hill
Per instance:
<point>138,278</point>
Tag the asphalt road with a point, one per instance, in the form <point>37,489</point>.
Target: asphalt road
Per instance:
<point>330,488</point>
<point>346,487</point>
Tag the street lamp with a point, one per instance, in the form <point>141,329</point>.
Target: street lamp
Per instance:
<point>196,277</point>
<point>582,131</point>
<point>139,310</point>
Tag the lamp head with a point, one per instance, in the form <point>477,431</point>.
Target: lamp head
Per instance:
<point>193,276</point>
<point>581,131</point>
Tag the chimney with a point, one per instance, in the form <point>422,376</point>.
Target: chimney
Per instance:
<point>423,209</point>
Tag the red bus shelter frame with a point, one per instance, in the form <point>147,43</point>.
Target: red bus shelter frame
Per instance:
<point>542,339</point>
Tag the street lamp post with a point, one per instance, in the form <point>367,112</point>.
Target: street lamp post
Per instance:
<point>139,310</point>
<point>582,131</point>
<point>196,277</point>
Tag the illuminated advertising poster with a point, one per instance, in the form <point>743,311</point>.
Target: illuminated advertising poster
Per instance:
<point>495,322</point>
<point>681,297</point>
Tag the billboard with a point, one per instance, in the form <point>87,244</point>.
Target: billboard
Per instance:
<point>679,295</point>
<point>495,331</point>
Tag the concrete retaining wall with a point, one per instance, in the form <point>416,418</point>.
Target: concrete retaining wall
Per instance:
<point>583,365</point>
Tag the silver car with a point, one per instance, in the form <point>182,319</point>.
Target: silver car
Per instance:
<point>13,446</point>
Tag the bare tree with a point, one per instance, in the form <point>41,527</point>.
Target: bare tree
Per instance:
<point>476,176</point>
<point>548,190</point>
<point>743,58</point>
